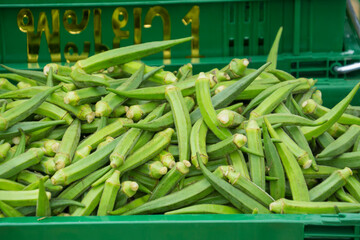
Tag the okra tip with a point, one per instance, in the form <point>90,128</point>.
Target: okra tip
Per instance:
<point>71,98</point>
<point>170,78</point>
<point>181,167</point>
<point>309,106</point>
<point>239,140</point>
<point>102,108</point>
<point>3,123</point>
<point>58,178</point>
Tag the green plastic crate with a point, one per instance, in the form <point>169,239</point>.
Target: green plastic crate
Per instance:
<point>316,38</point>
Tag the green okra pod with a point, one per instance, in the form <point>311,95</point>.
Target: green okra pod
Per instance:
<point>159,142</point>
<point>342,144</point>
<point>205,209</point>
<point>344,196</point>
<point>21,198</point>
<point>272,56</point>
<point>331,117</point>
<point>163,122</point>
<point>132,205</point>
<point>228,95</point>
<point>6,184</point>
<point>14,115</point>
<point>299,207</point>
<point>39,77</point>
<point>42,205</point>
<point>273,100</point>
<point>84,95</point>
<point>238,162</point>
<point>353,187</point>
<point>322,172</point>
<point>169,181</point>
<point>273,161</point>
<point>9,211</point>
<point>226,146</point>
<point>198,142</point>
<point>281,75</point>
<point>207,110</point>
<point>239,199</point>
<point>21,162</point>
<point>91,200</point>
<point>113,130</point>
<point>249,188</point>
<point>337,129</point>
<point>6,85</point>
<point>301,155</point>
<point>159,76</point>
<point>348,159</point>
<point>17,78</point>
<point>181,120</point>
<point>330,185</point>
<point>125,54</point>
<point>107,200</point>
<point>257,163</point>
<point>111,101</point>
<point>68,145</point>
<point>22,144</point>
<point>292,169</point>
<point>130,138</point>
<point>84,166</point>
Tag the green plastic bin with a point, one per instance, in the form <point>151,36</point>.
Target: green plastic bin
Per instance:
<point>317,37</point>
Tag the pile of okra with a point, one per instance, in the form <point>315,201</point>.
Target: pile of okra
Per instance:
<point>113,136</point>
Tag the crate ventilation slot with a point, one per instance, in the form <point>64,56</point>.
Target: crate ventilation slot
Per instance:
<point>321,232</point>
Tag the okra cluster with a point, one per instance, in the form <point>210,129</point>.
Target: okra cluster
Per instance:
<point>113,136</point>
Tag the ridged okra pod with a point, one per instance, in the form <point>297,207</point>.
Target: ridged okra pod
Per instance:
<point>331,117</point>
<point>207,110</point>
<point>257,163</point>
<point>348,159</point>
<point>229,145</point>
<point>316,110</point>
<point>292,169</point>
<point>341,144</point>
<point>236,67</point>
<point>160,76</point>
<point>285,206</point>
<point>21,198</point>
<point>21,162</point>
<point>169,181</point>
<point>68,145</point>
<point>83,167</point>
<point>301,155</point>
<point>205,209</point>
<point>107,104</point>
<point>198,142</point>
<point>277,188</point>
<point>14,115</point>
<point>4,149</point>
<point>130,138</point>
<point>273,100</point>
<point>113,130</point>
<point>238,198</point>
<point>228,95</point>
<point>9,211</point>
<point>185,71</point>
<point>111,188</point>
<point>90,200</point>
<point>181,119</point>
<point>163,122</point>
<point>248,187</point>
<point>125,54</point>
<point>330,185</point>
<point>84,95</point>
<point>46,109</point>
<point>159,142</point>
<point>43,204</point>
